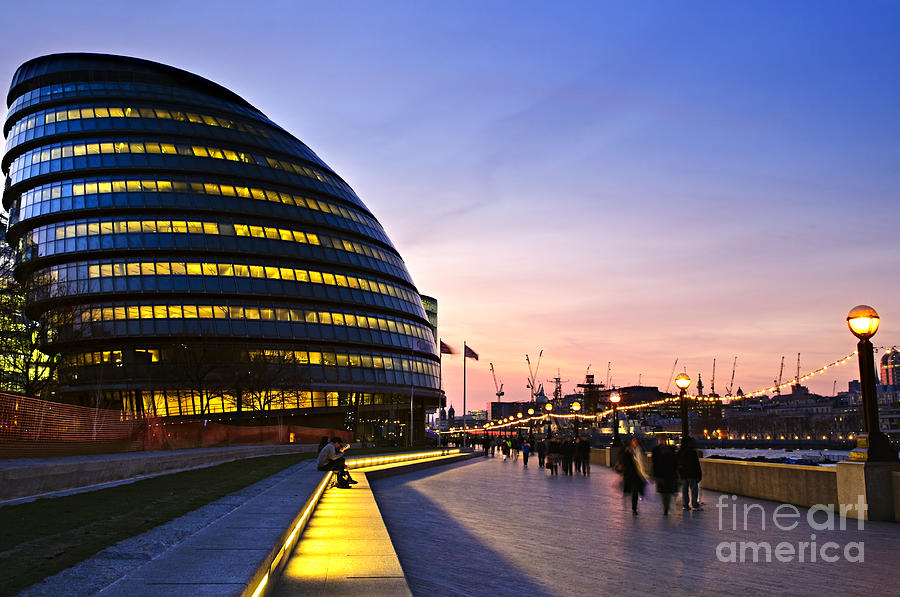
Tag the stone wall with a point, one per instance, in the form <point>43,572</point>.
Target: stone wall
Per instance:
<point>787,483</point>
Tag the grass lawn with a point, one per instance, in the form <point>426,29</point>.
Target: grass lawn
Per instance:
<point>43,537</point>
<point>40,538</point>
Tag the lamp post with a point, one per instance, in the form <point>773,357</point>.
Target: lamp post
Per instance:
<point>873,445</point>
<point>530,421</point>
<point>683,382</point>
<point>615,398</point>
<point>576,406</point>
<point>549,408</point>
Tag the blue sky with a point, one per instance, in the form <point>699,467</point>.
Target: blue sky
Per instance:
<point>606,181</point>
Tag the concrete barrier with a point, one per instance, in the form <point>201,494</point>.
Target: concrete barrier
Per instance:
<point>787,483</point>
<point>37,476</point>
<point>895,480</point>
<point>605,456</point>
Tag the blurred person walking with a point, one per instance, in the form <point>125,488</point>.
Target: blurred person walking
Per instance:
<point>631,467</point>
<point>691,474</point>
<point>665,472</point>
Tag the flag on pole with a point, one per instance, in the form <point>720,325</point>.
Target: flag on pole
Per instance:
<point>471,354</point>
<point>445,349</point>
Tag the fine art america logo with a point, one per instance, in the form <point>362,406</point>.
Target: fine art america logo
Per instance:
<point>787,518</point>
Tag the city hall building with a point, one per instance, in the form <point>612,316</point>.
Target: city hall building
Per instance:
<point>188,257</point>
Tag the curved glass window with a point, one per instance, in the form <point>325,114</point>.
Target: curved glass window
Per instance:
<point>61,196</point>
<point>49,158</point>
<point>83,271</point>
<point>287,314</point>
<point>68,114</point>
<point>83,228</point>
<point>96,89</point>
<point>299,357</point>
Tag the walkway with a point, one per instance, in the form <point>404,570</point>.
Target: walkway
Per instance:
<point>489,527</point>
<point>346,550</point>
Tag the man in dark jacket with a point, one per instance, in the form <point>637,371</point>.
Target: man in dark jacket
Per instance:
<point>631,467</point>
<point>665,471</point>
<point>331,458</point>
<point>584,455</point>
<point>690,473</point>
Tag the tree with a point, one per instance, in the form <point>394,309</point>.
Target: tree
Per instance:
<point>268,373</point>
<point>198,365</point>
<point>24,368</point>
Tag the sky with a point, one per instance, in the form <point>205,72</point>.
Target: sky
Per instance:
<point>609,182</point>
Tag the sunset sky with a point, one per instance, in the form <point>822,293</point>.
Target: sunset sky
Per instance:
<point>601,181</point>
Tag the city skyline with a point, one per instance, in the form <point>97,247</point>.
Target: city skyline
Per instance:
<point>605,184</point>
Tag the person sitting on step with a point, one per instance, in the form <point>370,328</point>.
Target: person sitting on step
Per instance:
<point>331,458</point>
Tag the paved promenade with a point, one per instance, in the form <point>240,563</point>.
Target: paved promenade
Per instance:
<point>492,528</point>
<point>346,550</point>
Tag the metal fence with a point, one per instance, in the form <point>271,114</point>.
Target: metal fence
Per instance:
<point>35,420</point>
<point>30,427</point>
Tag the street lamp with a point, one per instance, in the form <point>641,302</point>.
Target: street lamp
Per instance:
<point>615,399</point>
<point>549,408</point>
<point>576,406</point>
<point>683,382</point>
<point>872,445</point>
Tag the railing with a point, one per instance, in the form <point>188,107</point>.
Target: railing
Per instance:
<point>32,419</point>
<point>30,427</point>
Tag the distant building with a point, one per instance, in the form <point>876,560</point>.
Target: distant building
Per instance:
<point>501,410</point>
<point>890,369</point>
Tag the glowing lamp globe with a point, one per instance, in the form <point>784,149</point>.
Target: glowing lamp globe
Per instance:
<point>682,381</point>
<point>518,415</point>
<point>863,321</point>
<point>548,407</point>
<point>576,406</point>
<point>615,398</point>
<point>530,411</point>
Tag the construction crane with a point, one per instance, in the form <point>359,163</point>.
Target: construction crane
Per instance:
<point>671,375</point>
<point>731,385</point>
<point>499,388</point>
<point>780,374</point>
<point>532,374</point>
<point>712,384</point>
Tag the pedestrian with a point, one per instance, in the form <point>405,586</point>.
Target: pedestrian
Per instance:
<point>577,454</point>
<point>665,472</point>
<point>690,473</point>
<point>526,451</point>
<point>631,467</point>
<point>331,458</point>
<point>516,445</point>
<point>568,454</point>
<point>505,448</point>
<point>553,456</point>
<point>541,451</point>
<point>584,455</point>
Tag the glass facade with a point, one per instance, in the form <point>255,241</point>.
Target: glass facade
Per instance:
<point>178,243</point>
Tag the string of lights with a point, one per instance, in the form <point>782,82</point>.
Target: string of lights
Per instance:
<point>521,420</point>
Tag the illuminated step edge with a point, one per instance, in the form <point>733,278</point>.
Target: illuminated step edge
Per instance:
<point>356,463</point>
<point>273,566</point>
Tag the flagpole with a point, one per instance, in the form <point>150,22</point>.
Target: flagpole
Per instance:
<point>465,433</point>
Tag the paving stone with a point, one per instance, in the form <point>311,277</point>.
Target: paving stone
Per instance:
<point>488,527</point>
